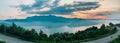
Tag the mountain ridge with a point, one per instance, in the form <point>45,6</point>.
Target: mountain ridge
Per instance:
<point>49,18</point>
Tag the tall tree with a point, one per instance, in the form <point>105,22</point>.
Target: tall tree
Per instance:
<point>3,28</point>
<point>34,34</point>
<point>42,36</point>
<point>20,31</point>
<point>13,28</point>
<point>27,35</point>
<point>103,26</point>
<point>111,24</point>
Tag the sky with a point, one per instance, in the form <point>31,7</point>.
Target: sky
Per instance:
<point>90,9</point>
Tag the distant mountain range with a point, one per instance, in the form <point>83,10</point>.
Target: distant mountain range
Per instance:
<point>52,21</point>
<point>49,18</point>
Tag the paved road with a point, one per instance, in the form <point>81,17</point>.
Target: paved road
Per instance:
<point>102,40</point>
<point>12,39</point>
<point>106,39</point>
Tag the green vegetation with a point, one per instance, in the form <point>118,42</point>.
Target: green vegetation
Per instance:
<point>118,25</point>
<point>2,42</point>
<point>117,40</point>
<point>91,33</point>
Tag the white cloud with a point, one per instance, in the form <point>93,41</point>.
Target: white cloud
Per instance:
<point>45,9</point>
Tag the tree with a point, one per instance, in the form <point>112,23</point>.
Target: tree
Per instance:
<point>115,29</point>
<point>20,31</point>
<point>42,36</point>
<point>30,35</point>
<point>14,25</point>
<point>111,24</point>
<point>103,26</point>
<point>3,28</point>
<point>103,30</point>
<point>27,35</point>
<point>34,34</point>
<point>79,35</point>
<point>13,28</point>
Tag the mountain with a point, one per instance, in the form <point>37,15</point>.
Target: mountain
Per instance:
<point>52,21</point>
<point>49,18</point>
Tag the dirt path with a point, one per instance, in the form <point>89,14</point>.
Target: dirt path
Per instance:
<point>12,39</point>
<point>106,39</point>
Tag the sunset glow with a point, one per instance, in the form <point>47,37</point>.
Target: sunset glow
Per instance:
<point>9,11</point>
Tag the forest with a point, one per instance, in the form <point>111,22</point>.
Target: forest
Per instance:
<point>90,33</point>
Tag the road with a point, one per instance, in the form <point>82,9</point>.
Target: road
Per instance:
<point>106,39</point>
<point>8,39</point>
<point>102,40</point>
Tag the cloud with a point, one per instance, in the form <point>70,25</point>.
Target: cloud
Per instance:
<point>54,8</point>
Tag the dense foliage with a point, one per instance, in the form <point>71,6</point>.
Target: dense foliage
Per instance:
<point>32,35</point>
<point>117,40</point>
<point>2,42</point>
<point>118,25</point>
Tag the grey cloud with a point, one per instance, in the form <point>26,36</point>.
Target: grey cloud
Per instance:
<point>101,14</point>
<point>37,5</point>
<point>55,9</point>
<point>105,13</point>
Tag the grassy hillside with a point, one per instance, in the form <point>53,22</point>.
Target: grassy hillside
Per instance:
<point>117,40</point>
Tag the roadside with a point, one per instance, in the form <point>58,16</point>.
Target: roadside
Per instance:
<point>8,39</point>
<point>106,39</point>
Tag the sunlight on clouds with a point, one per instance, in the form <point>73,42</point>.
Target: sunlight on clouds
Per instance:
<point>85,15</point>
<point>106,7</point>
<point>8,12</point>
<point>91,15</point>
<point>45,9</point>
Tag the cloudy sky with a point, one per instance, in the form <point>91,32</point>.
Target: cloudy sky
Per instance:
<point>91,9</point>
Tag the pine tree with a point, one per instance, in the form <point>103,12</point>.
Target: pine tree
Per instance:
<point>103,26</point>
<point>111,24</point>
<point>3,28</point>
<point>42,36</point>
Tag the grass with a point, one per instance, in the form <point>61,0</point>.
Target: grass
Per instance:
<point>117,40</point>
<point>102,36</point>
<point>2,42</point>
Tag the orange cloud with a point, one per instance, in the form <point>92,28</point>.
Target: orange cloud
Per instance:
<point>101,17</point>
<point>92,15</point>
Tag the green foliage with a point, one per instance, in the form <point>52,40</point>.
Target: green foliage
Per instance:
<point>34,34</point>
<point>41,37</point>
<point>27,35</point>
<point>2,42</point>
<point>62,36</point>
<point>111,24</point>
<point>103,26</point>
<point>2,28</point>
<point>116,40</point>
<point>118,25</point>
<point>30,35</point>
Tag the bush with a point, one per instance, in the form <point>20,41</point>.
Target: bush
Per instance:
<point>116,40</point>
<point>31,35</point>
<point>2,42</point>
